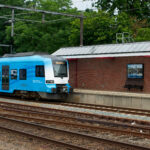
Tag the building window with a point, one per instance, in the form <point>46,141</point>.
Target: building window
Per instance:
<point>22,74</point>
<point>40,72</point>
<point>135,71</point>
<point>14,74</point>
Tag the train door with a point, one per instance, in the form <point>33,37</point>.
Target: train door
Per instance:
<point>5,77</point>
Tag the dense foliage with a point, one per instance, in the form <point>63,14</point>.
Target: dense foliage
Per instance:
<point>100,26</point>
<point>138,8</point>
<point>36,36</point>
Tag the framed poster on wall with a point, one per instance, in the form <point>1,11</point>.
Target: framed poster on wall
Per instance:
<point>135,71</point>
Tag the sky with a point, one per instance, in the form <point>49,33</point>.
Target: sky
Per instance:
<point>82,5</point>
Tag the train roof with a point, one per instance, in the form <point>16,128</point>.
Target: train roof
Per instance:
<point>25,54</point>
<point>29,56</point>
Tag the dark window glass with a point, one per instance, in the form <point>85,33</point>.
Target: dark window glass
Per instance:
<point>40,72</point>
<point>22,74</point>
<point>60,68</point>
<point>135,71</point>
<point>14,74</point>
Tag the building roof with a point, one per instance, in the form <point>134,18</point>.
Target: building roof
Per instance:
<point>107,50</point>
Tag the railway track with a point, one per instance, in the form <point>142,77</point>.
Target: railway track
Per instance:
<point>95,107</point>
<point>30,129</point>
<point>92,106</point>
<point>70,146</point>
<point>108,108</point>
<point>103,126</point>
<point>75,121</point>
<point>95,117</point>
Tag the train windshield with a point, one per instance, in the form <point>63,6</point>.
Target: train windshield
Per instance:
<point>60,68</point>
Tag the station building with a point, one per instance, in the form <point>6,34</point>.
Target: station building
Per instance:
<point>110,67</point>
<point>111,74</point>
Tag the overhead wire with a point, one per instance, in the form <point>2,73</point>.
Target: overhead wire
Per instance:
<point>49,22</point>
<point>95,15</point>
<point>61,19</point>
<point>18,14</point>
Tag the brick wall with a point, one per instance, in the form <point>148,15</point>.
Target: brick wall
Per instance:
<point>108,74</point>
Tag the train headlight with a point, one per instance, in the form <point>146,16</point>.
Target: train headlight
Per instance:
<point>71,90</point>
<point>49,81</point>
<point>53,90</point>
<point>65,90</point>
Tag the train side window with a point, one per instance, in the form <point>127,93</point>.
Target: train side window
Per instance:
<point>22,74</point>
<point>40,72</point>
<point>14,74</point>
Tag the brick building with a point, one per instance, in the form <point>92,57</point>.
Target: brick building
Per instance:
<point>112,67</point>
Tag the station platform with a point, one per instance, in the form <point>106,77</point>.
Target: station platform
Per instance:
<point>108,98</point>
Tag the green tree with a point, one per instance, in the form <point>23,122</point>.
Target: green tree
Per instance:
<point>42,37</point>
<point>143,34</point>
<point>55,5</point>
<point>138,8</point>
<point>99,28</point>
<point>13,2</point>
<point>4,22</point>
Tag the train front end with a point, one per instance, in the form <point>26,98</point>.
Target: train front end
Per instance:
<point>57,77</point>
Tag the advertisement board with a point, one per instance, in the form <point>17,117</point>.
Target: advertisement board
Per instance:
<point>135,71</point>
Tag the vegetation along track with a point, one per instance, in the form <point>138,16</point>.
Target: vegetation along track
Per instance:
<point>75,121</point>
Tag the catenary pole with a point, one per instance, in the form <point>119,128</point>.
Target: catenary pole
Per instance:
<point>81,31</point>
<point>12,29</point>
<point>12,23</point>
<point>43,18</point>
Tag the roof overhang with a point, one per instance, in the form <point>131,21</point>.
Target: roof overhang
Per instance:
<point>147,54</point>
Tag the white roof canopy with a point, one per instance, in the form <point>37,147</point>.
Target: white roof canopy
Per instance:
<point>107,50</point>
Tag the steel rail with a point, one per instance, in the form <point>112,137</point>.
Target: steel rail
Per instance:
<point>110,109</point>
<point>115,107</point>
<point>98,107</point>
<point>142,122</point>
<point>76,134</point>
<point>93,127</point>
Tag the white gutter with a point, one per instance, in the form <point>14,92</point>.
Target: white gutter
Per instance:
<point>107,55</point>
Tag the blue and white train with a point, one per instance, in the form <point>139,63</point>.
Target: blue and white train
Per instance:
<point>33,75</point>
